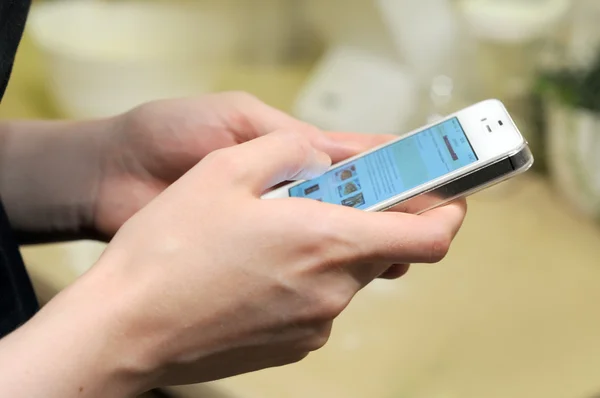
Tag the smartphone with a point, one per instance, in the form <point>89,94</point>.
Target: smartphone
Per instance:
<point>463,153</point>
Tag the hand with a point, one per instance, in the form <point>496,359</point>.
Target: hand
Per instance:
<point>64,180</point>
<point>207,283</point>
<point>155,144</point>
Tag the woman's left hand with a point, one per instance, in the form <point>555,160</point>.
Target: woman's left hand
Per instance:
<point>153,145</point>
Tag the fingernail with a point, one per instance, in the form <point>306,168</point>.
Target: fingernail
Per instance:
<point>319,163</point>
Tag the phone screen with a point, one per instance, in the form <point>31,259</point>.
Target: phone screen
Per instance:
<point>393,169</point>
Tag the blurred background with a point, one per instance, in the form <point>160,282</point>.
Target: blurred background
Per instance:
<point>514,311</point>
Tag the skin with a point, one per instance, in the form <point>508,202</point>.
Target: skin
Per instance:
<point>201,279</point>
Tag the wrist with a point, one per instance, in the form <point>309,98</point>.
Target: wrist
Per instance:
<point>49,172</point>
<point>77,345</point>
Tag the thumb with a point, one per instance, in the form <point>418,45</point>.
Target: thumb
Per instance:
<point>274,158</point>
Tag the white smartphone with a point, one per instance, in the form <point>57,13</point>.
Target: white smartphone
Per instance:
<point>463,153</point>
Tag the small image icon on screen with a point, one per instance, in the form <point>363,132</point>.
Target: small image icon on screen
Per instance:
<point>311,189</point>
<point>349,188</point>
<point>354,201</point>
<point>346,173</point>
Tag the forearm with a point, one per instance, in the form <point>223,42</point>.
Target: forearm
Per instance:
<point>48,175</point>
<point>74,347</point>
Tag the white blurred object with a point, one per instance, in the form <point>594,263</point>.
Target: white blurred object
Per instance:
<point>429,40</point>
<point>106,57</point>
<point>354,90</point>
<point>584,41</point>
<point>573,151</point>
<point>424,31</point>
<point>440,95</point>
<point>513,20</point>
<point>358,24</point>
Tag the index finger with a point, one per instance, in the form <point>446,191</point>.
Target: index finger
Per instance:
<point>376,240</point>
<point>341,146</point>
<point>407,238</point>
<point>344,145</point>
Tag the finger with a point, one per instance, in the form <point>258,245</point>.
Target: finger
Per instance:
<point>269,160</point>
<point>420,203</point>
<point>407,238</point>
<point>395,271</point>
<point>341,146</point>
<point>455,211</point>
<point>264,119</point>
<point>384,238</point>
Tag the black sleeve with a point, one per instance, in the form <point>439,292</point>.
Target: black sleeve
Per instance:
<point>17,299</point>
<point>13,14</point>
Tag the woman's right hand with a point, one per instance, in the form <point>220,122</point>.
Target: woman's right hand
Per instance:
<point>209,280</point>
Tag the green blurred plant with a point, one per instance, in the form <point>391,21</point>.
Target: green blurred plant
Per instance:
<point>574,87</point>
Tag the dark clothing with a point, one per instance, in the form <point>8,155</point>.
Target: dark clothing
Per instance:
<point>13,14</point>
<point>17,299</point>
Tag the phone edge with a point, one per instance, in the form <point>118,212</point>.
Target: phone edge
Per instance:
<point>516,163</point>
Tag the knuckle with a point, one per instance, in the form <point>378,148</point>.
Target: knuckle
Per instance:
<point>317,342</point>
<point>297,141</point>
<point>287,359</point>
<point>145,108</point>
<point>440,246</point>
<point>320,337</point>
<point>334,247</point>
<point>224,161</point>
<point>298,147</point>
<point>302,147</point>
<point>295,358</point>
<point>137,117</point>
<point>244,95</point>
<point>331,305</point>
<point>241,97</point>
